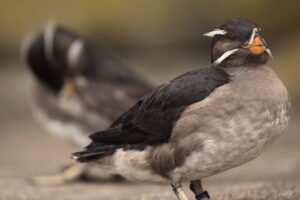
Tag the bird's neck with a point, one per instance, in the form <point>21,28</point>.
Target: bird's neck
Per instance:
<point>244,59</point>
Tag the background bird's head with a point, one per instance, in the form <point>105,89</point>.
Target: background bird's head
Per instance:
<point>55,58</point>
<point>67,63</point>
<point>238,42</point>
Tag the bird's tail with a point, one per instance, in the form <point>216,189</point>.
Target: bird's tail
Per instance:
<point>90,154</point>
<point>86,156</point>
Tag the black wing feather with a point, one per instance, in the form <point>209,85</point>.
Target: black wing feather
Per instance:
<point>150,121</point>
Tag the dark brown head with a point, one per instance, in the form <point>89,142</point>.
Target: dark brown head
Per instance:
<point>53,55</point>
<point>238,42</point>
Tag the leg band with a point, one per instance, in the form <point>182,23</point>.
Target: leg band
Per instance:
<point>204,195</point>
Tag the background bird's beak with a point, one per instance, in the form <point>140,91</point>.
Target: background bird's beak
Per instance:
<point>69,88</point>
<point>258,45</point>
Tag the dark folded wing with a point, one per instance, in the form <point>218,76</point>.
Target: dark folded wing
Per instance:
<point>150,121</point>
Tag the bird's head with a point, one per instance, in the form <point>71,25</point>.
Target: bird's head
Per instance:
<point>55,58</point>
<point>238,42</point>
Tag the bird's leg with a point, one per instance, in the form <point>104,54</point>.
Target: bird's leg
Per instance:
<point>69,174</point>
<point>200,194</point>
<point>176,185</point>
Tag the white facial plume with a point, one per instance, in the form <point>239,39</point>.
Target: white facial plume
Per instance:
<point>49,40</point>
<point>74,52</point>
<point>224,56</point>
<point>254,32</point>
<point>215,32</point>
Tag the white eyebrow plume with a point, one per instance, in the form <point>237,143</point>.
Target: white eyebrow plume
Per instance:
<point>74,52</point>
<point>224,56</point>
<point>215,32</point>
<point>269,53</point>
<point>49,35</point>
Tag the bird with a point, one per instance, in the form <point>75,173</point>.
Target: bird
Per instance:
<point>78,88</point>
<point>203,122</point>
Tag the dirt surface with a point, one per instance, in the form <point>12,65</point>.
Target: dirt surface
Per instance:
<point>27,150</point>
<point>19,189</point>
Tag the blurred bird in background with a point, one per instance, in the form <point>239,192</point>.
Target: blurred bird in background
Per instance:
<point>79,89</point>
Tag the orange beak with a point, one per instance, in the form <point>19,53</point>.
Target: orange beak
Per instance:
<point>69,88</point>
<point>258,46</point>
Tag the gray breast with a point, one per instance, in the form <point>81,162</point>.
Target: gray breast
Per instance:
<point>230,127</point>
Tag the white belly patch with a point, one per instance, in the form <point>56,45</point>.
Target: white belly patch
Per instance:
<point>133,165</point>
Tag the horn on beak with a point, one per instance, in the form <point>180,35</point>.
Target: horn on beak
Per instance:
<point>257,44</point>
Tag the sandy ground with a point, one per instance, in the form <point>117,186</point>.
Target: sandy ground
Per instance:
<point>19,189</point>
<point>27,150</point>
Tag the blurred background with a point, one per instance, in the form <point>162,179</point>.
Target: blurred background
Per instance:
<point>160,39</point>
